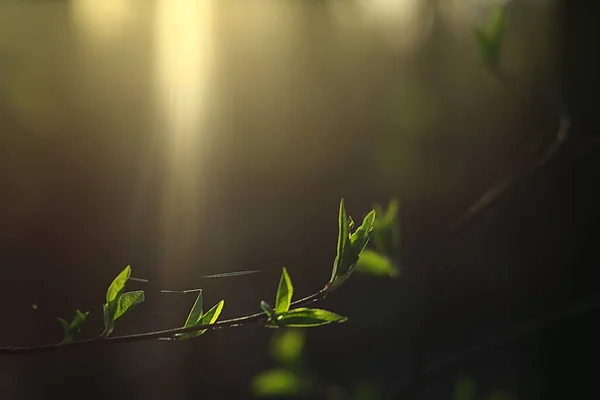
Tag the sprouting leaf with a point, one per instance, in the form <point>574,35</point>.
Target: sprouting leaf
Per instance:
<point>277,382</point>
<point>127,302</point>
<point>349,246</point>
<point>116,303</point>
<point>307,317</point>
<point>386,233</point>
<point>464,389</point>
<point>371,262</point>
<point>34,307</point>
<point>209,318</point>
<point>489,37</point>
<point>109,325</point>
<point>287,346</point>
<point>266,308</point>
<point>71,329</point>
<point>211,315</point>
<point>118,284</point>
<point>195,313</point>
<point>284,293</point>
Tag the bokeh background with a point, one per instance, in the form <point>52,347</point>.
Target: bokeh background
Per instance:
<point>189,138</point>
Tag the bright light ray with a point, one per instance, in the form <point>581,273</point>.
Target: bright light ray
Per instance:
<point>183,46</point>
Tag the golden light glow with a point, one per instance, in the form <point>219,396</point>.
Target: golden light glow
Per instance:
<point>103,21</point>
<point>183,46</point>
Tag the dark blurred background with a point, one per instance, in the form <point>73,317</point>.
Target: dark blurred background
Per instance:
<point>189,138</point>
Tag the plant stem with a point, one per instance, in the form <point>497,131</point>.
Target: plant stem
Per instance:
<point>168,333</point>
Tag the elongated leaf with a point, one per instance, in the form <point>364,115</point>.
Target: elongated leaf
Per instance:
<point>118,284</point>
<point>284,293</point>
<point>266,308</point>
<point>489,37</point>
<point>67,328</point>
<point>345,262</point>
<point>127,302</point>
<point>195,312</point>
<point>360,238</point>
<point>211,315</point>
<point>371,262</point>
<point>287,345</point>
<point>109,325</point>
<point>277,382</point>
<point>308,317</point>
<point>79,320</point>
<point>206,319</point>
<point>71,329</point>
<point>342,243</point>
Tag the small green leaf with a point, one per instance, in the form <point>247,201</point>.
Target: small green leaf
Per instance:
<point>349,247</point>
<point>127,302</point>
<point>343,241</point>
<point>308,317</point>
<point>118,284</point>
<point>489,37</point>
<point>371,262</point>
<point>287,346</point>
<point>284,293</point>
<point>211,315</point>
<point>277,382</point>
<point>464,389</point>
<point>71,329</point>
<point>386,232</point>
<point>360,238</point>
<point>206,319</point>
<point>109,325</point>
<point>267,308</point>
<point>34,307</point>
<point>195,312</point>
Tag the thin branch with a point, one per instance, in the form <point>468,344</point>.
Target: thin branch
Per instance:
<point>167,334</point>
<point>500,187</point>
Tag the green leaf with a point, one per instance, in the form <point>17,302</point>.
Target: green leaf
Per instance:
<point>360,238</point>
<point>342,243</point>
<point>277,382</point>
<point>308,317</point>
<point>127,302</point>
<point>211,315</point>
<point>206,319</point>
<point>284,293</point>
<point>386,233</point>
<point>489,37</point>
<point>371,262</point>
<point>71,329</point>
<point>267,309</point>
<point>109,325</point>
<point>117,285</point>
<point>287,346</point>
<point>195,313</point>
<point>349,246</point>
<point>464,389</point>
